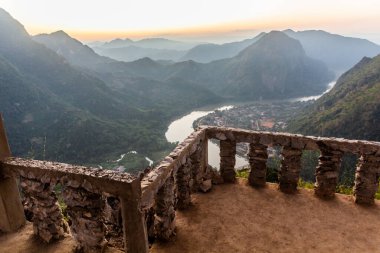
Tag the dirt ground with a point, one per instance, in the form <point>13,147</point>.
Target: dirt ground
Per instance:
<point>239,218</point>
<point>23,241</point>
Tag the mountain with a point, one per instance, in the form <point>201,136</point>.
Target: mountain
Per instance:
<point>338,52</point>
<point>73,50</point>
<point>55,111</point>
<point>276,66</point>
<point>156,43</point>
<point>350,110</point>
<point>210,52</point>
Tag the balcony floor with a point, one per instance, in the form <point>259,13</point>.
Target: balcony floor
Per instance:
<point>239,218</point>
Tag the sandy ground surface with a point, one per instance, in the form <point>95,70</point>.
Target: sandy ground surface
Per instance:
<point>23,241</point>
<point>239,218</point>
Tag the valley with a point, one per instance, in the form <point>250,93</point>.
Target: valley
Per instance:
<point>63,101</point>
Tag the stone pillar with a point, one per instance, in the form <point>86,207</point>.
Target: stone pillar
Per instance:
<point>165,213</point>
<point>227,160</point>
<point>48,223</point>
<point>11,211</point>
<point>196,168</point>
<point>258,157</point>
<point>85,209</point>
<point>183,184</point>
<point>327,171</point>
<point>134,225</point>
<point>203,155</point>
<point>290,169</point>
<point>367,179</point>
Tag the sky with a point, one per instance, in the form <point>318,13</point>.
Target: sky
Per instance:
<point>202,20</point>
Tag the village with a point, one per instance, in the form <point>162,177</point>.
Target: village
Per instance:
<point>258,116</point>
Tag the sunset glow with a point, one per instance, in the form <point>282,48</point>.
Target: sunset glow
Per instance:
<point>104,20</point>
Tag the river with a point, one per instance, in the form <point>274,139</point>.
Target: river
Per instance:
<point>179,129</point>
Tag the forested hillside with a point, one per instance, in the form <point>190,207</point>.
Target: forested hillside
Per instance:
<point>351,109</point>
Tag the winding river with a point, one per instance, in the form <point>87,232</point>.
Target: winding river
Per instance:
<point>179,129</point>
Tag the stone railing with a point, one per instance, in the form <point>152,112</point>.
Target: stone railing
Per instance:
<point>148,204</point>
<point>327,171</point>
<point>83,192</point>
<point>169,185</point>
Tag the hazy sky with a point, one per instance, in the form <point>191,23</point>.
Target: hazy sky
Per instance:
<point>215,20</point>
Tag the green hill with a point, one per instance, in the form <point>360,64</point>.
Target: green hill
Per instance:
<point>351,109</point>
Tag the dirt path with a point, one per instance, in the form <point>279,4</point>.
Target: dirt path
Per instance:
<point>238,218</point>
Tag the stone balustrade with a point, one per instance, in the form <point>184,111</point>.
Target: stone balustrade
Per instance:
<point>148,204</point>
<point>327,171</point>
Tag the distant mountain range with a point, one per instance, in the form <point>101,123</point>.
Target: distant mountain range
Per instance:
<point>276,66</point>
<point>206,53</point>
<point>339,53</point>
<point>132,53</point>
<point>156,43</point>
<point>351,109</point>
<point>154,48</point>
